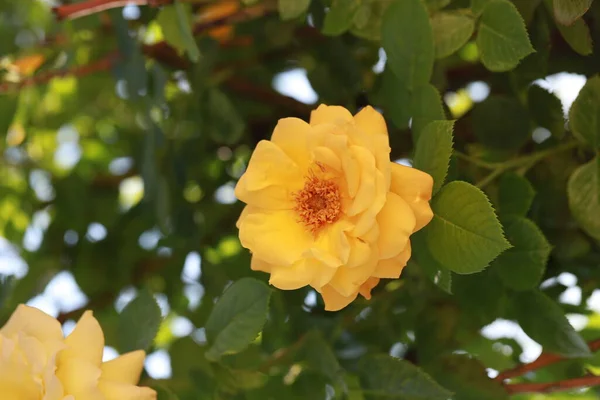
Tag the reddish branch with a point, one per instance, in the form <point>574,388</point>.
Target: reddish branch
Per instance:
<point>81,9</point>
<point>83,70</point>
<point>542,361</point>
<point>567,384</point>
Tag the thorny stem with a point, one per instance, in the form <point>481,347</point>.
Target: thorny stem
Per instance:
<point>567,384</point>
<point>498,168</point>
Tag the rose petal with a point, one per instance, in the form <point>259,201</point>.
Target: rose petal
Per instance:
<point>365,288</point>
<point>296,138</point>
<point>126,368</point>
<point>274,236</point>
<point>334,301</point>
<point>122,391</point>
<point>32,322</point>
<point>86,341</point>
<point>271,178</point>
<point>330,114</point>
<point>415,188</point>
<point>391,268</point>
<point>396,222</point>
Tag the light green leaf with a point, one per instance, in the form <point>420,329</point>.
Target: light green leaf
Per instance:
<point>433,151</point>
<point>522,266</point>
<point>451,30</point>
<point>502,37</point>
<point>577,36</point>
<point>515,194</point>
<point>426,106</point>
<point>501,123</point>
<point>237,318</point>
<point>385,377</point>
<point>290,9</point>
<point>408,41</point>
<point>340,16</point>
<point>546,109</point>
<point>583,190</point>
<point>545,322</point>
<point>175,21</point>
<point>138,323</point>
<point>567,11</point>
<point>464,235</point>
<point>467,377</point>
<point>584,116</point>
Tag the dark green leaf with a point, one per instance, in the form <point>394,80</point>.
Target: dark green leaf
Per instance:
<point>139,322</point>
<point>433,151</point>
<point>516,194</point>
<point>522,266</point>
<point>426,106</point>
<point>546,109</point>
<point>464,235</point>
<point>583,190</point>
<point>467,377</point>
<point>439,275</point>
<point>408,41</point>
<point>567,11</point>
<point>384,377</point>
<point>577,36</point>
<point>340,16</point>
<point>501,123</point>
<point>290,9</point>
<point>237,318</point>
<point>544,321</point>
<point>451,30</point>
<point>8,108</point>
<point>584,116</point>
<point>320,357</point>
<point>502,37</point>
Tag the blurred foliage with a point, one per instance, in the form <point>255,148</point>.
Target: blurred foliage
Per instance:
<point>124,132</point>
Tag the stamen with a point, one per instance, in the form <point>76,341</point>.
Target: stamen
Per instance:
<point>318,203</point>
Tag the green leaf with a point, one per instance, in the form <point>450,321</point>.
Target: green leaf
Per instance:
<point>436,329</point>
<point>426,106</point>
<point>477,6</point>
<point>7,284</point>
<point>481,298</point>
<point>546,109</point>
<point>138,323</point>
<point>515,194</point>
<point>464,235</point>
<point>545,322</point>
<point>584,116</point>
<point>384,377</point>
<point>433,151</point>
<point>577,36</point>
<point>434,5</point>
<point>567,11</point>
<point>8,108</point>
<point>583,190</point>
<point>320,357</point>
<point>163,392</point>
<point>394,97</point>
<point>237,318</point>
<point>175,22</point>
<point>340,16</point>
<point>501,123</point>
<point>522,266</point>
<point>502,37</point>
<point>467,377</point>
<point>451,30</point>
<point>439,275</point>
<point>290,9</point>
<point>407,38</point>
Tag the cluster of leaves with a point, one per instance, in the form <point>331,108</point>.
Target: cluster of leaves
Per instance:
<point>124,131</point>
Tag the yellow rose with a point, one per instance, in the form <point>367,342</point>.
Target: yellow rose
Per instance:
<point>38,363</point>
<point>327,208</point>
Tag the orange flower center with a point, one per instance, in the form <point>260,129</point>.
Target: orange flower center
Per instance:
<point>318,203</point>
